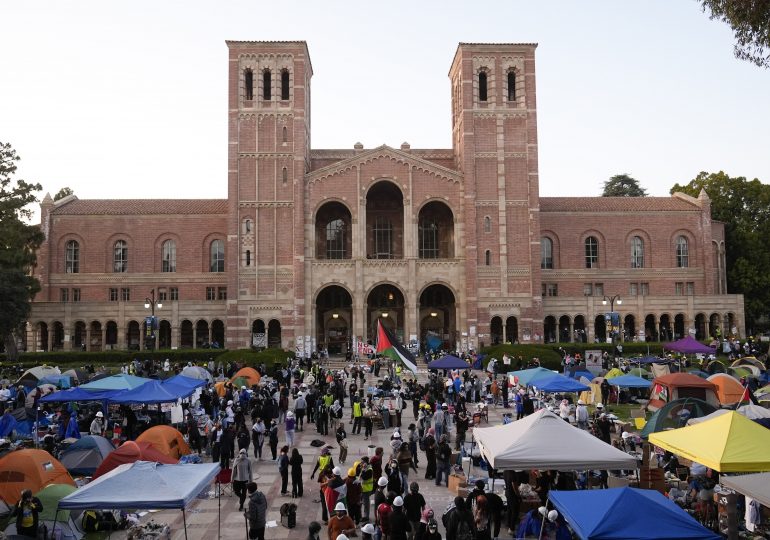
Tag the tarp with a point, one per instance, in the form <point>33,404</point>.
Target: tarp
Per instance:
<point>166,440</point>
<point>630,381</point>
<point>129,452</point>
<point>197,372</point>
<point>583,373</point>
<point>77,394</point>
<point>538,441</point>
<point>143,485</point>
<point>729,390</point>
<point>756,486</point>
<point>526,377</point>
<point>59,381</point>
<point>668,416</point>
<point>729,443</point>
<point>249,373</point>
<point>626,513</point>
<point>449,362</point>
<point>151,392</point>
<point>121,381</point>
<point>29,469</point>
<point>183,386</point>
<point>8,423</point>
<point>85,455</point>
<point>559,383</point>
<point>689,345</point>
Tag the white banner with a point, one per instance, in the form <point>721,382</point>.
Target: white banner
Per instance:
<point>259,340</point>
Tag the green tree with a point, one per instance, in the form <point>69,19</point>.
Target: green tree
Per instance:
<point>18,242</point>
<point>63,192</point>
<point>750,21</point>
<point>622,185</point>
<point>744,207</point>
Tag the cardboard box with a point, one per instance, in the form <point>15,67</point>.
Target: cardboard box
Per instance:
<point>456,482</point>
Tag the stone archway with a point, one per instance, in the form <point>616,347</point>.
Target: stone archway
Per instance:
<point>334,319</point>
<point>384,222</point>
<point>438,322</point>
<point>385,302</point>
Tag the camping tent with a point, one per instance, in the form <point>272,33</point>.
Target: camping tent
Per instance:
<point>681,385</point>
<point>197,372</point>
<point>614,372</point>
<point>756,486</point>
<point>629,381</point>
<point>77,375</point>
<point>166,440</point>
<point>538,441</point>
<point>752,412</point>
<point>151,392</point>
<point>448,362</point>
<point>668,416</point>
<point>249,373</point>
<point>640,372</point>
<point>29,469</point>
<point>144,485</point>
<point>527,377</point>
<point>59,381</point>
<point>129,452</point>
<point>85,455</point>
<point>729,443</point>
<point>559,383</point>
<point>121,381</point>
<point>623,513</point>
<point>33,375</point>
<point>729,390</point>
<point>66,526</point>
<point>689,345</point>
<point>748,361</point>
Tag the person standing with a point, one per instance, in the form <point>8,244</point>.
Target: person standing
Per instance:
<point>227,447</point>
<point>242,475</point>
<point>398,523</point>
<point>283,468</point>
<point>368,413</point>
<point>97,425</point>
<point>443,458</point>
<point>430,455</point>
<point>300,404</point>
<point>289,426</point>
<point>357,415</point>
<point>258,437</point>
<point>257,513</point>
<point>27,512</point>
<point>340,523</point>
<point>414,504</point>
<point>366,476</point>
<point>460,524</point>
<point>296,473</point>
<point>353,490</point>
<point>341,436</point>
<point>273,436</point>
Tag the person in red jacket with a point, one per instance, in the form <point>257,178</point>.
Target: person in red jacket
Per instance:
<point>335,489</point>
<point>384,510</point>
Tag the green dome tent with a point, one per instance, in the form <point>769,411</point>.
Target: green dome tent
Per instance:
<point>668,417</point>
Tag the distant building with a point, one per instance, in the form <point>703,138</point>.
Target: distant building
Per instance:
<point>312,247</point>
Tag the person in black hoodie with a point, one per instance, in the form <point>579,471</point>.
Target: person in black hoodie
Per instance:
<point>273,438</point>
<point>398,523</point>
<point>296,473</point>
<point>461,525</point>
<point>227,447</point>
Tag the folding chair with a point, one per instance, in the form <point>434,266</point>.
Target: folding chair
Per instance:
<point>224,481</point>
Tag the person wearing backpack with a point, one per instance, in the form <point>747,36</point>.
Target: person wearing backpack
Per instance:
<point>482,519</point>
<point>461,525</point>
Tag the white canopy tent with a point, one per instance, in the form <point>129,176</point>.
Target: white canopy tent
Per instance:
<point>544,441</point>
<point>756,486</point>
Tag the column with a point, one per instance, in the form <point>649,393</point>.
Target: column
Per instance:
<point>104,337</point>
<point>142,331</point>
<point>572,330</point>
<point>211,334</point>
<point>50,337</point>
<point>175,332</point>
<point>195,335</point>
<point>88,337</point>
<point>121,339</point>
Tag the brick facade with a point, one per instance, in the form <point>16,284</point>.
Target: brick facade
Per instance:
<point>319,244</point>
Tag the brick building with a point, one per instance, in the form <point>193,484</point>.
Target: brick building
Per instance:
<point>312,247</point>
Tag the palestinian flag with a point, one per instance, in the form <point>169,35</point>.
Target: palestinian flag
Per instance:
<point>387,345</point>
<point>747,398</point>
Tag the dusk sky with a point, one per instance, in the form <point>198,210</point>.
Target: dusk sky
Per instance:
<point>129,100</point>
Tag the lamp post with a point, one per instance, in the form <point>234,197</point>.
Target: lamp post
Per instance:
<point>150,303</point>
<point>611,300</point>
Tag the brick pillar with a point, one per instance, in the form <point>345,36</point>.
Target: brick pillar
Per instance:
<point>88,337</point>
<point>175,335</point>
<point>121,339</point>
<point>104,337</point>
<point>50,337</point>
<point>195,336</point>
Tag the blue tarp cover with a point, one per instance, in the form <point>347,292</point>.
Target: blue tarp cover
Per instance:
<point>449,362</point>
<point>143,484</point>
<point>150,392</point>
<point>183,386</point>
<point>559,383</point>
<point>630,381</point>
<point>121,381</point>
<point>77,394</point>
<point>527,377</point>
<point>625,514</point>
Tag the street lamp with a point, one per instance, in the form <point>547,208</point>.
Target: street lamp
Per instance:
<point>150,303</point>
<point>612,299</point>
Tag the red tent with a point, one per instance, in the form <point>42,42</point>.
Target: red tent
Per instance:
<point>129,452</point>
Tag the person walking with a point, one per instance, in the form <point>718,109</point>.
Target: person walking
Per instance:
<point>341,436</point>
<point>430,454</point>
<point>398,521</point>
<point>258,437</point>
<point>242,475</point>
<point>300,404</point>
<point>461,525</point>
<point>289,426</point>
<point>257,512</point>
<point>414,504</point>
<point>296,473</point>
<point>283,468</point>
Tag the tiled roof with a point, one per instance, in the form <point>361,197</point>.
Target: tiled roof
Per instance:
<point>130,207</point>
<point>615,204</point>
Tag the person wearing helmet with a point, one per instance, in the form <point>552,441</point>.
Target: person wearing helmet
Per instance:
<point>399,525</point>
<point>353,495</point>
<point>335,488</point>
<point>340,522</point>
<point>97,425</point>
<point>414,504</point>
<point>367,532</point>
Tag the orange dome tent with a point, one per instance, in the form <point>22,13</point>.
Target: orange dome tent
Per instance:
<point>220,388</point>
<point>166,440</point>
<point>729,390</point>
<point>249,373</point>
<point>129,452</point>
<point>29,469</point>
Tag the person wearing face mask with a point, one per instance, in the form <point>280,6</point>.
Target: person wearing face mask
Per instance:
<point>313,531</point>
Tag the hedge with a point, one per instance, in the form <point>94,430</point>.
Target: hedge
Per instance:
<point>81,358</point>
<point>249,357</point>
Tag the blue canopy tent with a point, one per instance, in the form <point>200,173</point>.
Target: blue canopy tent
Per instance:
<point>151,392</point>
<point>77,394</point>
<point>559,383</point>
<point>583,373</point>
<point>183,386</point>
<point>527,377</point>
<point>449,362</point>
<point>121,381</point>
<point>623,513</point>
<point>630,381</point>
<point>144,485</point>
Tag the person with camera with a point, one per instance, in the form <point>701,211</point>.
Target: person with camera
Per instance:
<point>27,511</point>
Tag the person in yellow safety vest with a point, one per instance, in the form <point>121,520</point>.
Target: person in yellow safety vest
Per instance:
<point>366,474</point>
<point>357,416</point>
<point>324,460</point>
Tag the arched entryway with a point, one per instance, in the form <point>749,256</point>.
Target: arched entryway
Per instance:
<point>435,230</point>
<point>386,303</point>
<point>629,328</point>
<point>512,330</point>
<point>96,336</point>
<point>496,330</point>
<point>58,336</point>
<point>549,329</point>
<point>186,340</point>
<point>79,336</point>
<point>132,336</point>
<point>274,334</point>
<point>700,326</point>
<point>259,334</point>
<point>600,329</point>
<point>437,318</point>
<point>665,330</point>
<point>650,328</point>
<point>217,334</point>
<point>679,326</point>
<point>581,336</point>
<point>333,231</point>
<point>564,332</point>
<point>715,325</point>
<point>731,327</point>
<point>111,335</point>
<point>334,319</point>
<point>164,335</point>
<point>202,334</point>
<point>384,222</point>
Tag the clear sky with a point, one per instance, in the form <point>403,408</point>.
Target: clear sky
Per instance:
<point>128,100</point>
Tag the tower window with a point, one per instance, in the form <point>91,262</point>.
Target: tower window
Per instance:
<point>120,257</point>
<point>637,252</point>
<point>682,252</point>
<point>482,86</point>
<point>249,80</point>
<point>168,256</point>
<point>267,82</point>
<point>546,253</point>
<point>335,239</point>
<point>248,257</point>
<point>487,224</point>
<point>383,238</point>
<point>592,252</point>
<point>285,175</point>
<point>247,226</point>
<point>285,134</point>
<point>487,258</point>
<point>217,256</point>
<point>285,84</point>
<point>72,257</point>
<point>511,86</point>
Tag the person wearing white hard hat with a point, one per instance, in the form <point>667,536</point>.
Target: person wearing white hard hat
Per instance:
<point>340,523</point>
<point>397,522</point>
<point>367,532</point>
<point>581,414</point>
<point>289,425</point>
<point>97,425</point>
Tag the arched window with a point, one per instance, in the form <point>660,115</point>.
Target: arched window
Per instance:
<point>682,252</point>
<point>592,252</point>
<point>637,252</point>
<point>335,239</point>
<point>482,86</point>
<point>267,82</point>
<point>428,241</point>
<point>546,253</point>
<point>487,258</point>
<point>217,256</point>
<point>120,257</point>
<point>248,77</point>
<point>248,257</point>
<point>285,176</point>
<point>247,226</point>
<point>168,256</point>
<point>383,238</point>
<point>284,134</point>
<point>511,85</point>
<point>285,84</point>
<point>72,257</point>
<point>487,224</point>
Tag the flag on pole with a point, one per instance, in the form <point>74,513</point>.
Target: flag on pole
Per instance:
<point>747,398</point>
<point>387,345</point>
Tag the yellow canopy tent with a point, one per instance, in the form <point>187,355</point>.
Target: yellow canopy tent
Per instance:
<point>614,372</point>
<point>728,443</point>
